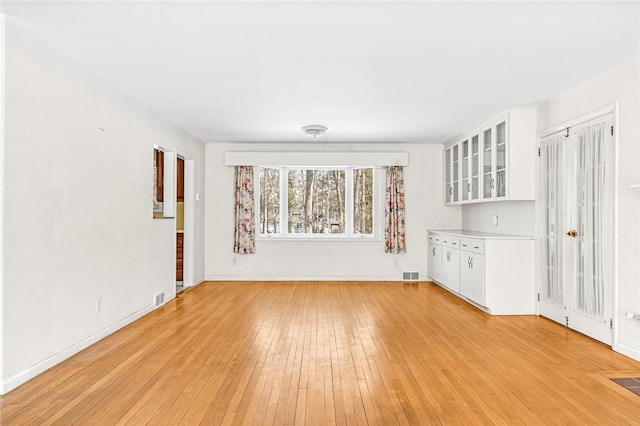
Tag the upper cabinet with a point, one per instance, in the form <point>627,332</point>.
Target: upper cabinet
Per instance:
<point>493,161</point>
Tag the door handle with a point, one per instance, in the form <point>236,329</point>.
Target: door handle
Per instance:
<point>572,233</point>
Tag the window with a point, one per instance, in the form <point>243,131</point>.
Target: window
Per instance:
<point>319,202</point>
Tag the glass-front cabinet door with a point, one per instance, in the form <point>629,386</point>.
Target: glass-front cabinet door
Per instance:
<point>448,189</point>
<point>452,169</point>
<point>456,174</point>
<point>475,166</point>
<point>501,160</point>
<point>487,161</point>
<point>466,182</point>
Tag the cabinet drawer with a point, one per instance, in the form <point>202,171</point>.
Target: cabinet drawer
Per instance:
<point>434,239</point>
<point>474,246</point>
<point>452,242</point>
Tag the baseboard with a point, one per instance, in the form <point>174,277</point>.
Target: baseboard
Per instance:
<point>198,281</point>
<point>627,351</point>
<point>305,278</point>
<point>28,374</point>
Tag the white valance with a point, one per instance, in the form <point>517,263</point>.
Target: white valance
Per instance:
<point>316,159</point>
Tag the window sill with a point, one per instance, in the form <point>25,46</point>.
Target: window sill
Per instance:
<point>331,238</point>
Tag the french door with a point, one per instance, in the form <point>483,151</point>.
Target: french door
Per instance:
<point>576,206</point>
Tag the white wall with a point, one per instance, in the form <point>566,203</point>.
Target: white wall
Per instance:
<point>325,259</point>
<point>622,85</point>
<point>78,214</point>
<point>2,92</point>
<point>514,217</point>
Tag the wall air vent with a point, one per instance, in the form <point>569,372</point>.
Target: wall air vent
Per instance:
<point>410,276</point>
<point>158,299</point>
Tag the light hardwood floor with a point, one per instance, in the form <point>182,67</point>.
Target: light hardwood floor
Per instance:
<point>320,353</point>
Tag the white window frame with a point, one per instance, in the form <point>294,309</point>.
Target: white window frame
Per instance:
<point>378,197</point>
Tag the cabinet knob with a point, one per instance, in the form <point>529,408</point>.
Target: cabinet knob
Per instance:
<point>572,233</point>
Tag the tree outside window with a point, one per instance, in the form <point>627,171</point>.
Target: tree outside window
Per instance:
<point>336,201</point>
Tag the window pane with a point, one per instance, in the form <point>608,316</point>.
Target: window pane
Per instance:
<point>269,200</point>
<point>316,201</point>
<point>363,201</point>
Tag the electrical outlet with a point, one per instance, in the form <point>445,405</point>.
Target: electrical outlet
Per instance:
<point>98,304</point>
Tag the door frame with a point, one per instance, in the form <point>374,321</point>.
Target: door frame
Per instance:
<point>540,268</point>
<point>188,261</point>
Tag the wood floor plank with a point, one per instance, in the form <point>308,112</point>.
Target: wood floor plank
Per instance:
<point>323,353</point>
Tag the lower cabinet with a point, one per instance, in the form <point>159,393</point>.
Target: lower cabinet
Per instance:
<point>493,271</point>
<point>451,263</point>
<point>472,276</point>
<point>434,263</point>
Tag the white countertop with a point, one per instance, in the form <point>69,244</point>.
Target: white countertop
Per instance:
<point>476,234</point>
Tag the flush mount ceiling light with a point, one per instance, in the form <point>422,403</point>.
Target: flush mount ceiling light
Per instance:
<point>314,130</point>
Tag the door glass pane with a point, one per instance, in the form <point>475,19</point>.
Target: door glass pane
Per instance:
<point>501,136</point>
<point>590,181</point>
<point>465,159</point>
<point>553,195</point>
<point>500,157</point>
<point>465,170</point>
<point>474,156</point>
<point>475,164</point>
<point>487,163</point>
<point>447,162</point>
<point>501,164</point>
<point>455,173</point>
<point>501,189</point>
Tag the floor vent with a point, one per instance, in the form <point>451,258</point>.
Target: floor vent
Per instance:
<point>410,276</point>
<point>158,299</point>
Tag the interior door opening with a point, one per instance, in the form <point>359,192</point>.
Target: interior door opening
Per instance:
<point>180,224</point>
<point>577,216</point>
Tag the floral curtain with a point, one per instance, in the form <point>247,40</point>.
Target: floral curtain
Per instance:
<point>244,238</point>
<point>394,238</point>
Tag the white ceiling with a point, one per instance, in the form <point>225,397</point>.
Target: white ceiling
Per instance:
<point>370,71</point>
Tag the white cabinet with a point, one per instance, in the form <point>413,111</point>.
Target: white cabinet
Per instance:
<point>470,148</point>
<point>493,161</point>
<point>472,270</point>
<point>434,263</point>
<point>450,271</point>
<point>452,174</point>
<point>494,271</point>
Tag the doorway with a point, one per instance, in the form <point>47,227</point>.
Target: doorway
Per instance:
<point>577,233</point>
<point>179,224</point>
<point>185,221</point>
